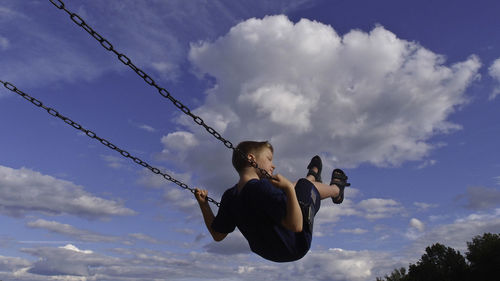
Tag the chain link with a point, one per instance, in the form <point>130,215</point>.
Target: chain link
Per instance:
<point>103,141</point>
<point>150,81</point>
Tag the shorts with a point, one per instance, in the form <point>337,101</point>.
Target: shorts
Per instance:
<point>309,201</point>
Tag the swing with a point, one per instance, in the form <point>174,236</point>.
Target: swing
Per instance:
<point>308,212</point>
<point>150,81</point>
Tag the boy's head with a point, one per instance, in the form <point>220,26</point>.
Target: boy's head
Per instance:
<point>249,147</point>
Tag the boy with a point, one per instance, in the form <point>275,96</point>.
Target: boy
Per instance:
<point>275,216</point>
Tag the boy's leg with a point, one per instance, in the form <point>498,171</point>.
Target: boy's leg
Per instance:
<point>309,200</point>
<point>335,190</point>
<point>325,190</point>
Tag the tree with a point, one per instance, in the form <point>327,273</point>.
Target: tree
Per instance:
<point>439,263</point>
<point>484,257</point>
<point>396,275</point>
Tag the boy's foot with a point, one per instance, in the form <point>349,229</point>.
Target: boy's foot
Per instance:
<point>340,180</point>
<point>315,167</point>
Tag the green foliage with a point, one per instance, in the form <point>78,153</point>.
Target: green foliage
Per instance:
<point>484,257</point>
<point>396,275</point>
<point>441,263</point>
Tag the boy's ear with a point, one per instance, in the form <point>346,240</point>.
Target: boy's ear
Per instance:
<point>251,157</point>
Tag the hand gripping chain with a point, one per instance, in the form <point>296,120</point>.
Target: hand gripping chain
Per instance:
<point>150,81</point>
<point>103,141</point>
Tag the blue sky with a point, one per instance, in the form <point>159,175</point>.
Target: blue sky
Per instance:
<point>403,95</point>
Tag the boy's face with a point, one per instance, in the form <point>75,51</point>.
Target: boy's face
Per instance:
<point>264,159</point>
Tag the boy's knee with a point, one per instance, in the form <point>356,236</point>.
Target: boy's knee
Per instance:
<point>304,189</point>
<point>307,194</point>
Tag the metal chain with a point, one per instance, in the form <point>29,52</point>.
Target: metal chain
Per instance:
<point>150,81</point>
<point>103,141</point>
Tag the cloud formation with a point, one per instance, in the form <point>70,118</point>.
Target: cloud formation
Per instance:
<point>357,98</point>
<point>354,231</point>
<point>235,243</point>
<point>69,262</point>
<point>173,195</point>
<point>415,229</point>
<point>26,191</point>
<point>4,43</point>
<point>66,260</point>
<point>481,198</point>
<point>458,232</point>
<point>162,28</point>
<point>376,208</point>
<point>422,206</point>
<point>369,209</point>
<point>339,264</point>
<point>71,231</point>
<point>8,264</point>
<point>113,161</point>
<point>494,71</point>
<point>33,53</point>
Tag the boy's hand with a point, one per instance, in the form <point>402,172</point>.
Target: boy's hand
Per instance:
<point>201,195</point>
<point>281,182</point>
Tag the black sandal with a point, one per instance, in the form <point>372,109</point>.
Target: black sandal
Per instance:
<point>315,162</point>
<point>339,179</point>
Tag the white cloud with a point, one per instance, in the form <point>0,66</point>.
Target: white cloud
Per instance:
<point>39,55</point>
<point>481,198</point>
<point>25,191</point>
<point>457,233</point>
<point>4,43</point>
<point>12,264</point>
<point>427,163</point>
<point>173,195</point>
<point>181,199</point>
<point>154,36</point>
<point>163,66</point>
<point>354,231</point>
<point>370,209</point>
<point>152,180</point>
<point>71,231</point>
<point>494,71</point>
<point>66,260</point>
<point>147,128</point>
<point>82,235</point>
<point>376,208</point>
<point>330,213</point>
<point>114,162</point>
<point>71,262</point>
<point>144,127</point>
<point>417,224</point>
<point>75,249</point>
<point>437,218</point>
<point>362,97</point>
<point>424,206</point>
<point>234,243</point>
<point>338,264</point>
<point>180,140</point>
<point>144,237</point>
<point>46,55</point>
<point>268,100</point>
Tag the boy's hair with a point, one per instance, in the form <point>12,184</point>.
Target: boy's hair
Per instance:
<point>247,147</point>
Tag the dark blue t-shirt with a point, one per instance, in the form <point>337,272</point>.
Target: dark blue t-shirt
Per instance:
<point>257,211</point>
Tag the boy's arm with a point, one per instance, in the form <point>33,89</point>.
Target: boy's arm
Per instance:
<point>293,219</point>
<point>208,215</point>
